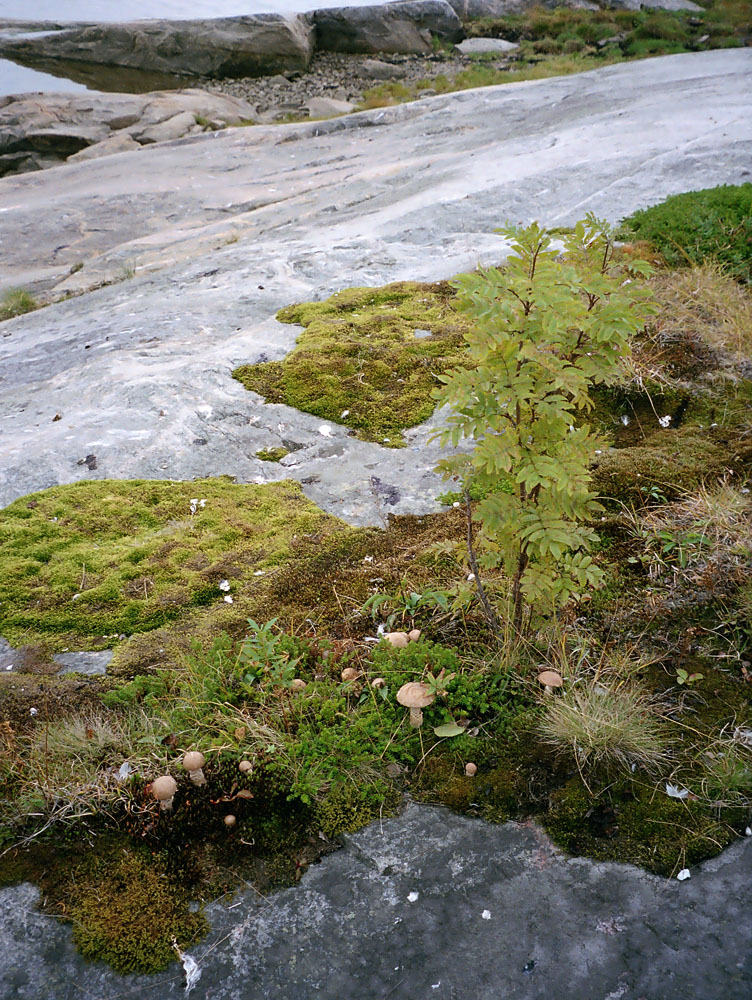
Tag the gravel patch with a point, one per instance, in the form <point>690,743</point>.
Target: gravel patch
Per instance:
<point>343,78</point>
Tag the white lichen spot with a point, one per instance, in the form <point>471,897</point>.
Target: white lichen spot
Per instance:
<point>412,897</point>
<point>625,419</point>
<point>665,421</point>
<point>325,430</point>
<point>224,585</point>
<point>227,599</point>
<point>485,915</point>
<point>684,874</point>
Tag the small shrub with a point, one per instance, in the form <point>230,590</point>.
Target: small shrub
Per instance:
<point>712,224</point>
<point>603,727</point>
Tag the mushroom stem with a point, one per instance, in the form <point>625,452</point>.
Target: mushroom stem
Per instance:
<point>416,718</point>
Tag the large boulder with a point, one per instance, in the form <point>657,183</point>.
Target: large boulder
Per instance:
<point>252,45</point>
<point>40,130</point>
<point>406,26</point>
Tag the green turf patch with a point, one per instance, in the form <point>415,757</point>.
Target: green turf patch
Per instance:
<point>712,224</point>
<point>81,565</point>
<point>367,358</point>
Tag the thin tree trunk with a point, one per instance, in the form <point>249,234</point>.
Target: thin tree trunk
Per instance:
<point>491,617</point>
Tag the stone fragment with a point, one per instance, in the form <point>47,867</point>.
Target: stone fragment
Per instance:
<point>172,128</point>
<point>477,46</point>
<point>377,69</point>
<point>324,107</point>
<point>120,143</point>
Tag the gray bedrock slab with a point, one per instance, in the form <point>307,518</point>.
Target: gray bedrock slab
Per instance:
<point>139,372</point>
<point>432,906</point>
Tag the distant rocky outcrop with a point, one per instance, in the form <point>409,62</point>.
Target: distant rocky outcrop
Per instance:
<point>406,26</point>
<point>42,130</point>
<point>252,45</point>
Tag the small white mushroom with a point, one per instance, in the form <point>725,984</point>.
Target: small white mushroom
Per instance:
<point>471,769</point>
<point>414,635</point>
<point>378,683</point>
<point>163,789</point>
<point>229,820</point>
<point>245,767</point>
<point>550,679</point>
<point>415,696</point>
<point>193,761</point>
<point>298,684</point>
<point>398,639</point>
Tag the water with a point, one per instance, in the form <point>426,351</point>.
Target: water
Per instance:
<point>18,79</point>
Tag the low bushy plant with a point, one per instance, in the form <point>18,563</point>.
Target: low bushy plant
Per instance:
<point>714,224</point>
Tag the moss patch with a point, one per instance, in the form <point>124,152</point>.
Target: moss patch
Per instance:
<point>82,565</point>
<point>367,358</point>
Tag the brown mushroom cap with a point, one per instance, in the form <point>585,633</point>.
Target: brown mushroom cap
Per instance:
<point>550,678</point>
<point>349,674</point>
<point>471,769</point>
<point>415,694</point>
<point>164,788</point>
<point>193,760</point>
<point>229,820</point>
<point>245,766</point>
<point>297,684</point>
<point>378,682</point>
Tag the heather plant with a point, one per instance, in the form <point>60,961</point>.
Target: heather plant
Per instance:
<point>545,329</point>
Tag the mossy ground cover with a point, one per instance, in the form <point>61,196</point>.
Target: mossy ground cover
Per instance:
<point>308,701</point>
<point>367,357</point>
<point>86,563</point>
<point>562,41</point>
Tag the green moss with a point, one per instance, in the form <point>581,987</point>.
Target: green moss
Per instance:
<point>637,824</point>
<point>348,809</point>
<point>272,454</point>
<point>83,564</point>
<point>675,462</point>
<point>359,362</point>
<point>126,913</point>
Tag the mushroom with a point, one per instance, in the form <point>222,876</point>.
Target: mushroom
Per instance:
<point>193,762</point>
<point>398,639</point>
<point>349,674</point>
<point>414,635</point>
<point>245,767</point>
<point>298,684</point>
<point>550,679</point>
<point>378,683</point>
<point>415,695</point>
<point>229,820</point>
<point>163,789</point>
<point>471,769</point>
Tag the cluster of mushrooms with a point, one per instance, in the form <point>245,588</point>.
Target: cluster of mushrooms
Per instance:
<point>415,695</point>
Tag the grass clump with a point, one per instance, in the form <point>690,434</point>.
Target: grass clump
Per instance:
<point>714,224</point>
<point>601,728</point>
<point>367,358</point>
<point>16,302</point>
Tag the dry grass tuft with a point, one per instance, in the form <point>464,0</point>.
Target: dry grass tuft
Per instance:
<point>604,727</point>
<point>702,303</point>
